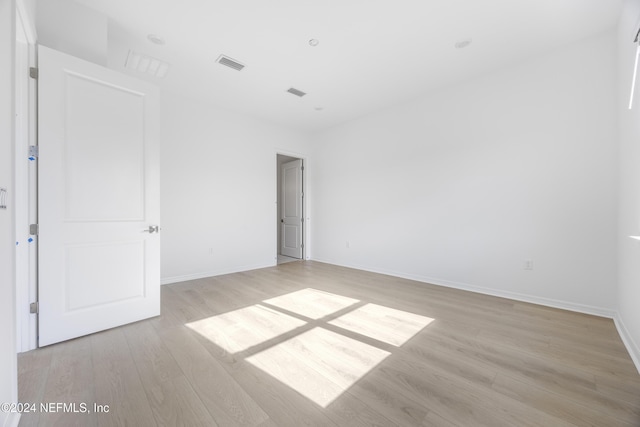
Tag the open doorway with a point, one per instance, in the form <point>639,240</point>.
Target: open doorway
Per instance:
<point>290,208</point>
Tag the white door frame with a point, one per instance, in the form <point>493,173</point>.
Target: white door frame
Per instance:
<point>25,180</point>
<point>305,204</point>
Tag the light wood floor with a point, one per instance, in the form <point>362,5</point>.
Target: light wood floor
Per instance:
<point>482,361</point>
<point>283,259</point>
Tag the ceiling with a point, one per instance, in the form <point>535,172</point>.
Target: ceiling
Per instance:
<point>371,53</point>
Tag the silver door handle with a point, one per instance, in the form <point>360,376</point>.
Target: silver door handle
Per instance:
<point>152,229</point>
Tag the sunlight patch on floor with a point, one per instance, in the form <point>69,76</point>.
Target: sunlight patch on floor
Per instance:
<point>385,324</point>
<point>319,364</point>
<point>244,328</point>
<point>312,303</point>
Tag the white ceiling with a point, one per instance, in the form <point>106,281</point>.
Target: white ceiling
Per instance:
<point>372,53</point>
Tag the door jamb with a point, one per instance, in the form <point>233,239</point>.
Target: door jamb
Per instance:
<point>25,182</point>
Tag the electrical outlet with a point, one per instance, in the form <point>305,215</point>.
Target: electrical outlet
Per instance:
<point>210,251</point>
<point>527,264</point>
<point>348,244</point>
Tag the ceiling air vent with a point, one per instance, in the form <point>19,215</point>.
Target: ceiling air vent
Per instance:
<point>231,63</point>
<point>296,92</point>
<point>146,64</point>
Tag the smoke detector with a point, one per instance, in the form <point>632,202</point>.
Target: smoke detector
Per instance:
<point>155,39</point>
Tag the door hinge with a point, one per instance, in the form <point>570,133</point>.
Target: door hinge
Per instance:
<point>302,168</point>
<point>34,151</point>
<point>34,308</point>
<point>33,72</point>
<point>33,229</point>
<point>301,219</point>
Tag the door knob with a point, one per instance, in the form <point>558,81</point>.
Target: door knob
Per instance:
<point>152,229</point>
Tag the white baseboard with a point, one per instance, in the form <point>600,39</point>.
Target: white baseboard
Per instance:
<point>212,273</point>
<point>12,420</point>
<point>632,347</point>
<point>629,343</point>
<point>549,302</point>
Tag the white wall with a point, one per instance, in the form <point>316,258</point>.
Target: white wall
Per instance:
<point>8,361</point>
<point>218,189</point>
<point>629,222</point>
<point>72,28</point>
<point>460,187</point>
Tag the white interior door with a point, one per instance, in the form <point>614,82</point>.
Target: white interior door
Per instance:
<point>99,259</point>
<point>292,209</point>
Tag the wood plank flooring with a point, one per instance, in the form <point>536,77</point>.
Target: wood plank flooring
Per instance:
<point>231,351</point>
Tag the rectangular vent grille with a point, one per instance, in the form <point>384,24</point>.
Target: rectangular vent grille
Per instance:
<point>231,63</point>
<point>146,64</point>
<point>296,92</point>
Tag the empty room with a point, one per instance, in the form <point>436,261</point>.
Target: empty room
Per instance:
<point>296,213</point>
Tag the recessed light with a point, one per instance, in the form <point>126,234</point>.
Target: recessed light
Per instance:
<point>314,42</point>
<point>319,108</point>
<point>155,39</point>
<point>461,44</point>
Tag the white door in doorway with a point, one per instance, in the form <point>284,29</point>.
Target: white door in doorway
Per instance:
<point>99,207</point>
<point>291,218</point>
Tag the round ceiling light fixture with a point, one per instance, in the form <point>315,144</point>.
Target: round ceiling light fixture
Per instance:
<point>155,39</point>
<point>314,42</point>
<point>462,43</point>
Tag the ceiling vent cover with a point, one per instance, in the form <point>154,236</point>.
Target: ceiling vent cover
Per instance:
<point>296,92</point>
<point>231,63</point>
<point>147,64</point>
